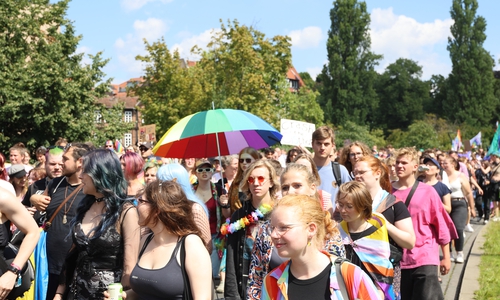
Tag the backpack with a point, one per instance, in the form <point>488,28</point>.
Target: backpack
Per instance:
<point>336,173</point>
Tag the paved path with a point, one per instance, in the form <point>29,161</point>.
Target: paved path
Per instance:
<point>462,280</point>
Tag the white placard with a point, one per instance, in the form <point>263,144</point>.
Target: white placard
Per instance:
<point>296,133</point>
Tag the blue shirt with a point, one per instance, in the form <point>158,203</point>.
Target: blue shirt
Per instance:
<point>328,182</point>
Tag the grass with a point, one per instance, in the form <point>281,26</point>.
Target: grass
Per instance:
<point>489,278</point>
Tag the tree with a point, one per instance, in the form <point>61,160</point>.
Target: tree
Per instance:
<point>45,90</point>
<point>439,86</point>
<point>347,78</point>
<point>402,94</point>
<point>470,96</point>
<point>170,91</point>
<point>302,106</point>
<point>354,132</point>
<point>419,134</point>
<point>245,70</point>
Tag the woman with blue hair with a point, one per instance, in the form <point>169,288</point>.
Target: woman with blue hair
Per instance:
<point>105,231</point>
<point>179,174</point>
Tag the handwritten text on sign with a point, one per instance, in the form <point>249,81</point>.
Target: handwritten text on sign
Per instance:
<point>296,133</point>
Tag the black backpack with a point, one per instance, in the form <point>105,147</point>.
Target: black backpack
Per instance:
<point>336,173</point>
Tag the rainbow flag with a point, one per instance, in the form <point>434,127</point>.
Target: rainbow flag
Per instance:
<point>119,147</point>
<point>476,141</point>
<point>456,144</point>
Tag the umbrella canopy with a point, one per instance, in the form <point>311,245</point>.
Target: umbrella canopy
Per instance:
<point>195,135</point>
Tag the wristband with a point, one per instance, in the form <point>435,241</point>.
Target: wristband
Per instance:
<point>16,266</point>
<point>14,270</point>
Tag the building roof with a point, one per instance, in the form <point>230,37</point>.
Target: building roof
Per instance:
<point>292,74</point>
<point>110,101</point>
<point>120,90</point>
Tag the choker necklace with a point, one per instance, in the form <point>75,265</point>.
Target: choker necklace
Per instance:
<point>99,199</point>
<point>251,218</point>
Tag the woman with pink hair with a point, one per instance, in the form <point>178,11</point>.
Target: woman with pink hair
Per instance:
<point>132,164</point>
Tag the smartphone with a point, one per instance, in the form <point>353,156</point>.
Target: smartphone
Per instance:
<point>423,168</point>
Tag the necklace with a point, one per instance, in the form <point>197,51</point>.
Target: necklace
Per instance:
<point>251,218</point>
<point>65,219</point>
<point>99,199</point>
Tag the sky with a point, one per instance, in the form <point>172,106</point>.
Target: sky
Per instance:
<point>417,30</point>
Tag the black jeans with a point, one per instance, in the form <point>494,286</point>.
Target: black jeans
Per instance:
<point>421,284</point>
<point>483,203</point>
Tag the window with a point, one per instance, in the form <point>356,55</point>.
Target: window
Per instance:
<point>294,84</point>
<point>127,139</point>
<point>128,116</point>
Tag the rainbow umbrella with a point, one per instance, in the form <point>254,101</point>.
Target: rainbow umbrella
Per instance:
<point>216,132</point>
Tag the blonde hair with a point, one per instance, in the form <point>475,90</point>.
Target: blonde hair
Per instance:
<point>313,170</point>
<point>298,168</point>
<point>273,177</point>
<point>308,210</point>
<point>359,195</point>
<point>411,152</point>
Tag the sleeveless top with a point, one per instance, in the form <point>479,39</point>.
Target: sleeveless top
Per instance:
<point>99,262</point>
<point>456,189</point>
<point>158,284</point>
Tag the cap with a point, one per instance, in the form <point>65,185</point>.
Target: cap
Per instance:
<point>435,162</point>
<point>17,171</point>
<point>202,162</point>
<point>147,145</point>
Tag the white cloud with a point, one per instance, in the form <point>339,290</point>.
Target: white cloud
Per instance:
<point>308,37</point>
<point>132,44</point>
<point>398,36</point>
<point>314,71</point>
<point>130,5</point>
<point>85,50</point>
<point>201,40</point>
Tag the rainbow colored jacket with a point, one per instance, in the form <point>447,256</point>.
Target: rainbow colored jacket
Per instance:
<point>359,285</point>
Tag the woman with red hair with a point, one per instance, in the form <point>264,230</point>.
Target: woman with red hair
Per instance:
<point>132,164</point>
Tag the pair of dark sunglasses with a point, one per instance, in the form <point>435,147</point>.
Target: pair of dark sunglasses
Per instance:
<point>201,170</point>
<point>247,160</point>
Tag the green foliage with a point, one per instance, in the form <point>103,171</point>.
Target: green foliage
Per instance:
<point>489,276</point>
<point>245,70</point>
<point>170,92</point>
<point>302,106</point>
<point>308,81</point>
<point>45,90</point>
<point>347,78</point>
<point>402,94</point>
<point>354,132</point>
<point>241,70</point>
<point>111,125</point>
<point>470,96</point>
<point>419,134</point>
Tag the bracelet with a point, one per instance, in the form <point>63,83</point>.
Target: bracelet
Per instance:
<point>225,206</point>
<point>16,266</point>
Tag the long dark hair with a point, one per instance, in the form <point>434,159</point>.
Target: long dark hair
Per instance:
<point>104,167</point>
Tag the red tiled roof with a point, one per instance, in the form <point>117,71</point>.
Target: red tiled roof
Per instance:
<point>292,74</point>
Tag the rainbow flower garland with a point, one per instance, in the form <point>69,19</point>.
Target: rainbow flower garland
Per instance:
<point>251,218</point>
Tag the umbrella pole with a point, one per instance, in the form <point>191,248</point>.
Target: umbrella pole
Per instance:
<point>218,152</point>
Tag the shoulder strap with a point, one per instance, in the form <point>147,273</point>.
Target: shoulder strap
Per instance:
<point>187,286</point>
<point>49,222</point>
<point>413,188</point>
<point>340,279</point>
<point>336,172</point>
<point>146,243</point>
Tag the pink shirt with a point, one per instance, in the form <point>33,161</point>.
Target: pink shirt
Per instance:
<point>432,224</point>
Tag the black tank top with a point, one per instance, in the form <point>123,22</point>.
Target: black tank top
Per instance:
<point>159,284</point>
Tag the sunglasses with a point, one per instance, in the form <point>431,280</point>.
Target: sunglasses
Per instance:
<point>247,160</point>
<point>260,179</point>
<point>201,170</point>
<point>109,146</point>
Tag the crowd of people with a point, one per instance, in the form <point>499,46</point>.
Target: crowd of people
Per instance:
<point>353,223</point>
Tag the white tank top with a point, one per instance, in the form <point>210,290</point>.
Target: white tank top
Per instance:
<point>456,189</point>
